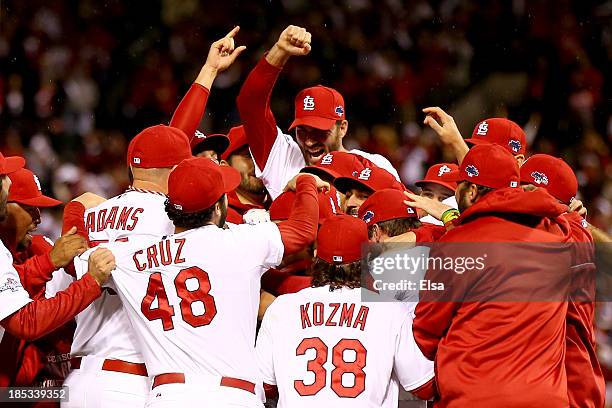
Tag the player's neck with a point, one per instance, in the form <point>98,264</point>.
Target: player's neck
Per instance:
<point>150,186</point>
<point>246,197</point>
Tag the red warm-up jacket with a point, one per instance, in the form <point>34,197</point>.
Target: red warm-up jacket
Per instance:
<point>497,333</point>
<point>585,381</point>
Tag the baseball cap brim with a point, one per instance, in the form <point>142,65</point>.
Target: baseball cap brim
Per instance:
<point>12,164</point>
<point>316,122</point>
<point>325,174</point>
<point>344,184</point>
<point>420,183</point>
<point>40,201</point>
<point>475,141</point>
<point>218,143</point>
<point>231,178</point>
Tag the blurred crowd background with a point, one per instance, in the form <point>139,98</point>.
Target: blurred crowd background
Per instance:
<point>79,78</point>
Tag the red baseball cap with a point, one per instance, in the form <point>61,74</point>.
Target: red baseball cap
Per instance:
<point>336,164</point>
<point>25,189</point>
<point>385,205</point>
<point>340,239</point>
<point>434,174</point>
<point>370,178</point>
<point>10,164</point>
<point>158,146</point>
<point>237,139</point>
<point>318,107</point>
<point>488,165</point>
<point>552,173</point>
<point>501,131</point>
<point>217,142</point>
<point>197,183</point>
<point>280,209</point>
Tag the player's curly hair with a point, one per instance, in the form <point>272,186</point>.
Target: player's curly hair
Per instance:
<point>190,220</point>
<point>336,276</point>
<point>396,226</point>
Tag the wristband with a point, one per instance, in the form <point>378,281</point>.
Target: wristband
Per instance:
<point>449,215</point>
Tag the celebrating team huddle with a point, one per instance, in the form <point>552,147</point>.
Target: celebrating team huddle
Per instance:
<point>234,270</point>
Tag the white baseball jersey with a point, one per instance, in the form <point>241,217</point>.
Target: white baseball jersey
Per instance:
<point>329,349</point>
<point>286,160</point>
<point>12,294</point>
<point>103,329</point>
<point>193,298</point>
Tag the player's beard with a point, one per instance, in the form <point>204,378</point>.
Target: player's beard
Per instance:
<point>251,184</point>
<point>223,216</point>
<point>3,204</point>
<point>462,201</point>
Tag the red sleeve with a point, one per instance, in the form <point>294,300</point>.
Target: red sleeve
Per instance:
<point>426,391</point>
<point>254,107</point>
<point>300,229</point>
<point>38,269</point>
<point>41,317</point>
<point>189,112</point>
<point>74,216</point>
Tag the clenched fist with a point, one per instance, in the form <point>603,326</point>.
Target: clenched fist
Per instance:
<point>293,40</point>
<point>100,265</point>
<point>66,248</point>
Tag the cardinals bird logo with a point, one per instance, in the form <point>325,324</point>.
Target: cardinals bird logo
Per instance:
<point>11,284</point>
<point>471,171</point>
<point>539,178</point>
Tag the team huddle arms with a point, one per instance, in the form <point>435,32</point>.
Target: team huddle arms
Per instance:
<point>233,269</point>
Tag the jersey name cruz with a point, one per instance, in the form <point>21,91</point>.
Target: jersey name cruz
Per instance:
<point>165,252</point>
<point>333,314</point>
<point>125,220</point>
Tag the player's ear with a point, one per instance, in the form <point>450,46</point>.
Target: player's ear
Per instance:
<point>520,159</point>
<point>342,127</point>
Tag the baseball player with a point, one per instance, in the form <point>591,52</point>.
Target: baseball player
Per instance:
<point>497,331</point>
<point>192,302</point>
<point>320,120</point>
<point>501,131</point>
<point>27,319</point>
<point>104,349</point>
<point>585,381</point>
<point>323,346</point>
<point>357,188</point>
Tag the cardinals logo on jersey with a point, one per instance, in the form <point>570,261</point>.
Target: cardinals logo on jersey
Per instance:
<point>515,145</point>
<point>367,217</point>
<point>483,128</point>
<point>11,284</point>
<point>365,174</point>
<point>443,169</point>
<point>309,103</point>
<point>539,178</point>
<point>471,171</point>
<point>327,159</point>
<point>339,111</point>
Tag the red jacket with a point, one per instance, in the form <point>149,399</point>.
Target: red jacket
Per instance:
<point>497,334</point>
<point>585,382</point>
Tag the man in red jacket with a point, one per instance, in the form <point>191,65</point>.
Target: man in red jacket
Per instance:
<point>27,319</point>
<point>585,382</point>
<point>497,329</point>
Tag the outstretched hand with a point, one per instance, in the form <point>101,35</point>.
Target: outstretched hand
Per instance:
<point>223,53</point>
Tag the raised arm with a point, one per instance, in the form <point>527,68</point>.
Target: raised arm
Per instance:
<point>444,125</point>
<point>254,99</point>
<point>190,110</point>
<point>300,229</point>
